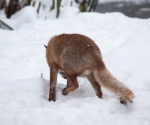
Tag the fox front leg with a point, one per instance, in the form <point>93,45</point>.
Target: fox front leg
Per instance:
<point>53,80</point>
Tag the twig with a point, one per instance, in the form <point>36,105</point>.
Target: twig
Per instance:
<point>39,7</point>
<point>6,25</point>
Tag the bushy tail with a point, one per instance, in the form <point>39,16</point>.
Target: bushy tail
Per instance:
<point>106,79</point>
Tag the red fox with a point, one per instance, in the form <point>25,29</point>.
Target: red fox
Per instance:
<point>74,55</point>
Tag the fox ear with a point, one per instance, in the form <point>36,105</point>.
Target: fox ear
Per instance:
<point>45,46</point>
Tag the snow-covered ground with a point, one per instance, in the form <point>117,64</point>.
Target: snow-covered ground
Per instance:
<point>125,46</point>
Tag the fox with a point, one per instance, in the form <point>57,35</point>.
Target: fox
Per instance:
<point>76,55</point>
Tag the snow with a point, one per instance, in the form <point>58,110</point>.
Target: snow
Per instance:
<point>64,12</point>
<point>26,15</point>
<point>125,46</point>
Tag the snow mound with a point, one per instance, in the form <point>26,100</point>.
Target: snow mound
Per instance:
<point>125,47</point>
<point>26,15</point>
<point>68,12</point>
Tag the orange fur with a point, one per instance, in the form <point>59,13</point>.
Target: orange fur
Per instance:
<point>74,55</point>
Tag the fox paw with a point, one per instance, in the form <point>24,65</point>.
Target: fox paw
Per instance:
<point>52,96</point>
<point>64,91</point>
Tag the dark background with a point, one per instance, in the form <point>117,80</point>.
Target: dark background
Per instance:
<point>130,9</point>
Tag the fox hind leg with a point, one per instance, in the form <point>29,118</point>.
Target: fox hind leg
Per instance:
<point>64,75</point>
<point>95,85</point>
<point>72,85</point>
<point>69,83</point>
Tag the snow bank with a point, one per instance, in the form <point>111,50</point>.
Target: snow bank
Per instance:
<point>125,46</point>
<point>26,15</point>
<point>68,11</point>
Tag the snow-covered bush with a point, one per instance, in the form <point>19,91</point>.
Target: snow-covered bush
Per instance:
<point>45,9</point>
<point>13,6</point>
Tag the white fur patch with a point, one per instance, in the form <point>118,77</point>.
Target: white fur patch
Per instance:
<point>85,73</point>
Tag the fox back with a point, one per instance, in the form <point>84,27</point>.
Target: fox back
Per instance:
<point>74,53</point>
